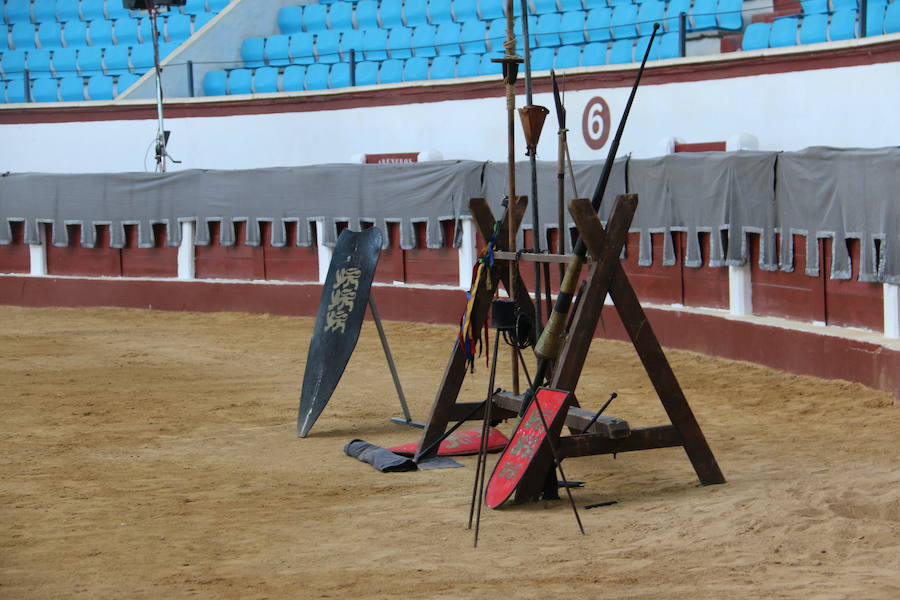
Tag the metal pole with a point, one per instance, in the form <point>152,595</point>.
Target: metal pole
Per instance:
<point>161,132</point>
<point>190,77</point>
<point>863,17</point>
<point>352,68</point>
<point>26,81</point>
<point>682,29</point>
<point>392,366</point>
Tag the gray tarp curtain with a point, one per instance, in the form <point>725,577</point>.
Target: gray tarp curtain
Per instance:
<point>819,192</point>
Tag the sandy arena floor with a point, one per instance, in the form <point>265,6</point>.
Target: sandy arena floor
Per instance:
<point>152,455</point>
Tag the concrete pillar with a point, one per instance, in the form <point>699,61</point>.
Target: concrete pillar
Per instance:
<point>466,252</point>
<point>186,251</point>
<point>892,310</point>
<point>38,253</point>
<point>740,291</point>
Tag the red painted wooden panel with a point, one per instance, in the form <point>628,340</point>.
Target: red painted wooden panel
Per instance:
<point>703,286</point>
<point>159,261</point>
<point>792,295</point>
<point>391,265</point>
<point>100,261</point>
<point>439,266</point>
<point>850,302</point>
<point>229,262</point>
<point>655,283</point>
<point>289,262</point>
<point>15,257</point>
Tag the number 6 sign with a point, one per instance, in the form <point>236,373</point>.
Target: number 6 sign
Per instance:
<point>595,123</point>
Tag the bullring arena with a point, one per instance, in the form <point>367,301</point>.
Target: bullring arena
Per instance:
<point>156,316</point>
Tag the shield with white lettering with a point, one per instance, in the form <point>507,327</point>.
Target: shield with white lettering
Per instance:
<point>342,308</point>
<point>530,435</point>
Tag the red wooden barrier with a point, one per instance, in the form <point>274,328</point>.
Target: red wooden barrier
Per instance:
<point>15,257</point>
<point>229,262</point>
<point>100,261</point>
<point>159,261</point>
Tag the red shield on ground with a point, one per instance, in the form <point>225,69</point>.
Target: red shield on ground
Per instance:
<point>459,443</point>
<point>525,443</point>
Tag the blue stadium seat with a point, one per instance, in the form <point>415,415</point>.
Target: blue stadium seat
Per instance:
<point>423,41</point>
<point>496,33</point>
<point>23,36</point>
<point>541,7</point>
<point>290,19</point>
<point>166,48</point>
<point>447,40</point>
<point>415,69</point>
<point>90,61</point>
<point>65,62</point>
<point>414,13</point>
<point>12,63</point>
<point>145,31</point>
<point>314,18</point>
<point>390,13</point>
<point>571,27</point>
<point>623,21</point>
<point>650,12</point>
<point>843,25</point>
<point>240,81</point>
<point>548,28</point>
<point>194,7</point>
<point>542,59</point>
<point>92,10</point>
<point>15,91</point>
<point>490,10</point>
<point>468,65</point>
<point>622,51</point>
<point>517,9</point>
<point>142,58</point>
<point>784,32</point>
<point>178,27</point>
<point>366,73</point>
<point>253,52</point>
<point>294,78</point>
<point>43,11</point>
<point>569,5</point>
<point>277,50</point>
<point>339,76</point>
<point>375,44</point>
<point>814,7</point>
<point>45,89</point>
<point>125,81</point>
<point>317,76</point>
<point>68,10</point>
<point>75,33</point>
<point>39,63</point>
<point>126,31</point>
<point>366,15</point>
<point>399,42</point>
<point>100,87</point>
<point>100,33</point>
<point>756,36</point>
<point>440,11</point>
<point>488,66</point>
<point>50,34</point>
<point>567,56</point>
<point>391,71</point>
<point>71,89</point>
<point>340,16</point>
<point>892,17</point>
<point>214,83</point>
<point>875,18</point>
<point>813,29</point>
<point>729,15</point>
<point>703,16</point>
<point>217,6</point>
<point>472,37</point>
<point>597,24</point>
<point>115,10</point>
<point>352,39</point>
<point>668,46</point>
<point>640,48</point>
<point>837,5</point>
<point>301,49</point>
<point>201,20</point>
<point>328,46</point>
<point>115,59</point>
<point>465,10</point>
<point>674,8</point>
<point>18,12</point>
<point>265,80</point>
<point>443,67</point>
<point>615,3</point>
<point>593,54</point>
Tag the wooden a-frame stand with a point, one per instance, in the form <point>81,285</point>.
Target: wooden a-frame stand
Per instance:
<point>609,435</point>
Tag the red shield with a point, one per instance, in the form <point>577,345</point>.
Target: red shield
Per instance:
<point>525,443</point>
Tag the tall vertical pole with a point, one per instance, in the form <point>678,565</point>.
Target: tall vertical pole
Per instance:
<point>161,133</point>
<point>510,69</point>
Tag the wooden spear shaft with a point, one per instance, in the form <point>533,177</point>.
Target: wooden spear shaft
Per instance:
<point>509,70</point>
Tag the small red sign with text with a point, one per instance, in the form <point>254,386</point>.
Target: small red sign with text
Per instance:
<point>392,159</point>
<point>525,442</point>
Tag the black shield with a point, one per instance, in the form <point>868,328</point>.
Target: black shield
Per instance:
<point>342,308</point>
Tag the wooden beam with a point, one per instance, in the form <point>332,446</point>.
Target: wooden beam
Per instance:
<point>577,418</point>
<point>641,438</point>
